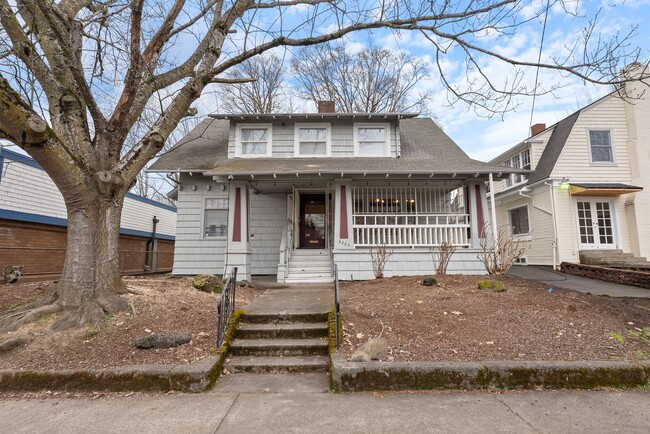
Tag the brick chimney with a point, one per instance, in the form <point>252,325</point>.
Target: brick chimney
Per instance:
<point>536,129</point>
<point>326,107</point>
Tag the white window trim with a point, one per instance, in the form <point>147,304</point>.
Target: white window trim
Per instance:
<point>386,127</point>
<point>511,176</point>
<point>269,142</point>
<point>611,143</point>
<point>523,236</point>
<point>328,140</point>
<point>203,208</point>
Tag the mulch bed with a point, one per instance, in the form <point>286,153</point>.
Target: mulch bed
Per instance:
<point>455,321</point>
<point>162,305</point>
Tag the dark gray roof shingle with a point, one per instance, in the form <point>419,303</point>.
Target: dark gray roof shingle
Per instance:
<point>425,148</point>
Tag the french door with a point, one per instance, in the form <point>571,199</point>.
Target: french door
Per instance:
<point>596,224</point>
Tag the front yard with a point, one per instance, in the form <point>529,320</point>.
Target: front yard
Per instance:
<point>456,321</point>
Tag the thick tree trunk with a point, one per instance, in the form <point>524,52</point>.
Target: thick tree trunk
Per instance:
<point>91,280</point>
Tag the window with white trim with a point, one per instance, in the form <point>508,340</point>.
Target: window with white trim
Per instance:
<point>253,140</point>
<point>312,140</point>
<point>519,220</point>
<point>600,142</point>
<point>519,161</point>
<point>371,140</point>
<point>215,217</point>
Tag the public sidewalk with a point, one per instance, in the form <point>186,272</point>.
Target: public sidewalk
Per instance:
<point>314,412</point>
<point>582,284</point>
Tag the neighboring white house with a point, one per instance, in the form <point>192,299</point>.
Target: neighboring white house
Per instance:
<point>33,221</point>
<point>589,185</point>
<point>292,194</point>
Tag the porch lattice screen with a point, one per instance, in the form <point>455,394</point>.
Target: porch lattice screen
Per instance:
<point>409,216</point>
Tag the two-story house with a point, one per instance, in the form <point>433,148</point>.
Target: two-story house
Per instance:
<point>292,194</point>
<point>588,189</point>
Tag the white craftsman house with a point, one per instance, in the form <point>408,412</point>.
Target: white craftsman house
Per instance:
<point>588,190</point>
<point>292,194</point>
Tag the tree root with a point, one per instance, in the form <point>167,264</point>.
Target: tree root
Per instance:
<point>14,320</point>
<point>90,313</point>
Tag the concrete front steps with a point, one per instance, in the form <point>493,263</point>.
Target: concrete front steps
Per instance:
<point>310,266</point>
<point>279,343</point>
<point>614,259</point>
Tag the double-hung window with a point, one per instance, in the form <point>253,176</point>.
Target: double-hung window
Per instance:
<point>519,220</point>
<point>312,140</point>
<point>215,217</point>
<point>253,140</point>
<point>600,142</point>
<point>371,140</point>
<point>519,161</point>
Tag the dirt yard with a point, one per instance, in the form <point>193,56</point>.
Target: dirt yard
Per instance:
<point>160,304</point>
<point>455,321</point>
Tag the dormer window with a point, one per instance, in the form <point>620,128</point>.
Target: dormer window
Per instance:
<point>312,140</point>
<point>253,140</point>
<point>519,161</point>
<point>371,140</point>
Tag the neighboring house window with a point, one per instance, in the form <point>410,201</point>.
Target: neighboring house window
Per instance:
<point>253,140</point>
<point>601,146</point>
<point>371,140</point>
<point>519,161</point>
<point>519,220</point>
<point>215,217</point>
<point>312,140</point>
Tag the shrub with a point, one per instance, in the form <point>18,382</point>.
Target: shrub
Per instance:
<point>492,285</point>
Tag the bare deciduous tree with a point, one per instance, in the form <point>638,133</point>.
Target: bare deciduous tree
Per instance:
<point>77,76</point>
<point>262,89</point>
<point>372,80</point>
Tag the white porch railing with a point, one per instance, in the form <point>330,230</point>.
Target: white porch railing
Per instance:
<point>422,230</point>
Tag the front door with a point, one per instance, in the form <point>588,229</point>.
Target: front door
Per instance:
<point>596,224</point>
<point>312,220</point>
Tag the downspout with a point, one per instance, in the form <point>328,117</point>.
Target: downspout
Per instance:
<point>552,214</point>
<point>493,209</point>
<point>150,243</point>
<point>398,141</point>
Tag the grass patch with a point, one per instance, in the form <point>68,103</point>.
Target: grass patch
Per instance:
<point>491,285</point>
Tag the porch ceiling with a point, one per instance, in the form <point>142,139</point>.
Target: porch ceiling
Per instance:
<point>606,190</point>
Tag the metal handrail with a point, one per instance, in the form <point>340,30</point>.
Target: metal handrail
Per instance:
<point>226,306</point>
<point>337,306</point>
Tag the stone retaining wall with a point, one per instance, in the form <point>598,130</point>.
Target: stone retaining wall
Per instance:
<point>613,275</point>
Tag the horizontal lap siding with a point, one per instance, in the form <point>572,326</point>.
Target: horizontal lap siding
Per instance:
<point>357,265</point>
<point>30,190</point>
<point>193,253</point>
<point>268,220</point>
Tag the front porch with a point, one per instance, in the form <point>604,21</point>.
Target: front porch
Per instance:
<point>319,222</point>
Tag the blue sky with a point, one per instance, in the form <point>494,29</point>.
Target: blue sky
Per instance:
<point>485,138</point>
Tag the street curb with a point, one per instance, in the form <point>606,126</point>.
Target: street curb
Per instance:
<point>366,376</point>
<point>194,377</point>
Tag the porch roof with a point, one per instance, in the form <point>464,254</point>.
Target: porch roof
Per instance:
<point>602,189</point>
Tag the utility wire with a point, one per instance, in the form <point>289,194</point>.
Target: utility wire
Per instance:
<point>539,60</point>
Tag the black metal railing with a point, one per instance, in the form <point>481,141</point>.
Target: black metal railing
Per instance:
<point>226,305</point>
<point>337,308</point>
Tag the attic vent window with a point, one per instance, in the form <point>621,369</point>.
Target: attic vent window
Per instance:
<point>253,140</point>
<point>371,140</point>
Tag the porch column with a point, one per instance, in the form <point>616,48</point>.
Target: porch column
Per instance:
<point>478,212</point>
<point>343,235</point>
<point>238,250</point>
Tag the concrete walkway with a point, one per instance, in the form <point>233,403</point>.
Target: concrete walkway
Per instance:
<point>293,299</point>
<point>582,284</point>
<point>423,412</point>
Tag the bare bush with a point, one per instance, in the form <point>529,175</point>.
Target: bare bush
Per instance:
<point>379,255</point>
<point>442,255</point>
<point>500,254</point>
